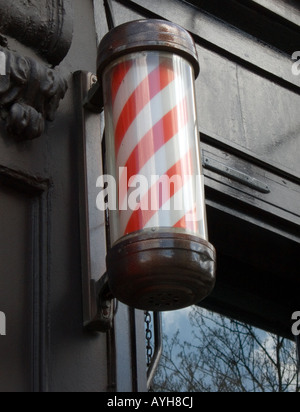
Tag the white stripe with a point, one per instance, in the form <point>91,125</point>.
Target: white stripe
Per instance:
<point>184,199</point>
<point>162,161</point>
<point>169,218</point>
<point>139,71</point>
<point>152,113</point>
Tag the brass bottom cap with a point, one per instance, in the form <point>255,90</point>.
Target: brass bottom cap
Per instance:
<point>161,270</point>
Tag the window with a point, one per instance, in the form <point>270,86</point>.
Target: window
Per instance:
<point>206,352</point>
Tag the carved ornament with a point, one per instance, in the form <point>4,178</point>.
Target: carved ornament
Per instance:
<point>30,93</point>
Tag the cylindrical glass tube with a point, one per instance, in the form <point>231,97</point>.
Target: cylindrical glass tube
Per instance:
<point>152,145</point>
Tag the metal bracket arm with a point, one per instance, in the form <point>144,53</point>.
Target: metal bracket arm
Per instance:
<point>103,320</point>
<point>94,99</point>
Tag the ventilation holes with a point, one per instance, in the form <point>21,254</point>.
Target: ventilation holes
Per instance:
<point>164,300</point>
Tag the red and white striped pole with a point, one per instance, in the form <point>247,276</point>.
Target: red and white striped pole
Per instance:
<point>159,257</point>
<point>153,120</point>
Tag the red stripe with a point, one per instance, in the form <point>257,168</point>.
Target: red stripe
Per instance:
<point>184,224</point>
<point>162,132</point>
<point>118,77</point>
<point>143,94</point>
<point>140,218</point>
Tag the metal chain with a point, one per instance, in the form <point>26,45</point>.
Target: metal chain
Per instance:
<point>149,335</point>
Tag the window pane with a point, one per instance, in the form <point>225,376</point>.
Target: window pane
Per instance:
<point>206,352</point>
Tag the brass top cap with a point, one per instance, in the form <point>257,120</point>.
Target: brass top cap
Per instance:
<point>142,35</point>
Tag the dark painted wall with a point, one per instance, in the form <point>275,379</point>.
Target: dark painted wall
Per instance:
<point>40,272</point>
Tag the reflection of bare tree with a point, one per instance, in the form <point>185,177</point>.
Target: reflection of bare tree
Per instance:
<point>227,356</point>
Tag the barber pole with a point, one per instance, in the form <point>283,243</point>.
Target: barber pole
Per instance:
<point>159,257</point>
<point>153,119</point>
